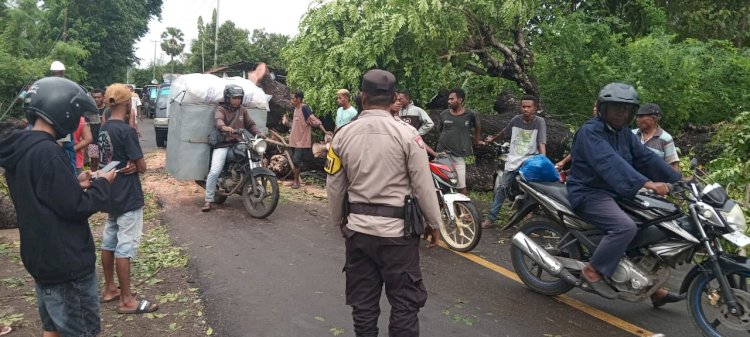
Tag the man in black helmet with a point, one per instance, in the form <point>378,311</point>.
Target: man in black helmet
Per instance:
<point>53,207</point>
<point>610,162</point>
<point>229,115</point>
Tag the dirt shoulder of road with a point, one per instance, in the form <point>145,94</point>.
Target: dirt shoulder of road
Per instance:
<point>159,273</point>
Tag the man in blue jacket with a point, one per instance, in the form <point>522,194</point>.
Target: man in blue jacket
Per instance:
<point>610,162</point>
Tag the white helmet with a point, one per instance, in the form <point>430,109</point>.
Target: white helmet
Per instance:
<point>57,66</point>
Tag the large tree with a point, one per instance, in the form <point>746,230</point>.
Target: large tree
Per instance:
<point>172,43</point>
<point>428,44</point>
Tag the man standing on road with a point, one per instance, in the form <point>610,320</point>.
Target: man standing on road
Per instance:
<point>346,111</point>
<point>95,122</point>
<point>300,138</point>
<point>653,136</point>
<point>122,232</point>
<point>374,163</point>
<point>528,138</point>
<point>456,124</point>
<point>413,114</point>
<point>53,207</point>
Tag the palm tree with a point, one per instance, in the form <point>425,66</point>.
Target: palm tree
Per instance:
<point>172,43</point>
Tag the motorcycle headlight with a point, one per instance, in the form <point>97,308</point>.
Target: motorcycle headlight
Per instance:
<point>735,218</point>
<point>260,146</point>
<point>454,181</point>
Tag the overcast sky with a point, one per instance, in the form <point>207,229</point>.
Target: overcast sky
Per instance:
<point>276,16</point>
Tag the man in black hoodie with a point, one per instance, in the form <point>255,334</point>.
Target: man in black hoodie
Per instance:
<point>53,207</point>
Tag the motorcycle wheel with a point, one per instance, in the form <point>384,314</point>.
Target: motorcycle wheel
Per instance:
<point>262,201</point>
<point>463,234</point>
<point>709,312</point>
<point>218,198</point>
<point>548,234</point>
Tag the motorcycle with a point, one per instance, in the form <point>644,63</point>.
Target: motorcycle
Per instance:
<point>549,251</point>
<point>243,174</point>
<point>461,228</point>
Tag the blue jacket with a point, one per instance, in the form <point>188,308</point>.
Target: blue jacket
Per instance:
<point>612,162</point>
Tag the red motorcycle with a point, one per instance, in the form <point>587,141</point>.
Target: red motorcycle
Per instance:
<point>461,229</point>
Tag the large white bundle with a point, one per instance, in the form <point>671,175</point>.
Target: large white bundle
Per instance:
<point>209,89</point>
<point>255,97</point>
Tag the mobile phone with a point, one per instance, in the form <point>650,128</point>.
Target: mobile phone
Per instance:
<point>111,166</point>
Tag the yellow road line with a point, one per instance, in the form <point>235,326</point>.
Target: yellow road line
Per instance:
<point>594,312</point>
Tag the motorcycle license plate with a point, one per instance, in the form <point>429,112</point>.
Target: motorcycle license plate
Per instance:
<point>737,238</point>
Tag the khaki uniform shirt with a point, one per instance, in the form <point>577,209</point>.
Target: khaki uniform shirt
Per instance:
<point>382,160</point>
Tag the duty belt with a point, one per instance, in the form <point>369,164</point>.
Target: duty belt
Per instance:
<point>377,210</point>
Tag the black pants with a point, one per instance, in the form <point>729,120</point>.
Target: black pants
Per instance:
<point>372,261</point>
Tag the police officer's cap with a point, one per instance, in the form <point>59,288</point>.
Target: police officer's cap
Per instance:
<point>378,82</point>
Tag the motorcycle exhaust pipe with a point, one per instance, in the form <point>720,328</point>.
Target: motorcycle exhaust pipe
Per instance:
<point>548,262</point>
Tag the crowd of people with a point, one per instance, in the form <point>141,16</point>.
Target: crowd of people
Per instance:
<point>57,247</point>
<point>378,179</point>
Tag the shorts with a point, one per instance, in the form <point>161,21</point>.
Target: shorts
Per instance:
<point>93,151</point>
<point>70,308</point>
<point>301,155</point>
<point>460,165</point>
<point>122,234</point>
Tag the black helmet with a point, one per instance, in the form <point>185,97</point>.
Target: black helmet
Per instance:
<point>650,109</point>
<point>615,93</point>
<point>232,90</point>
<point>60,102</point>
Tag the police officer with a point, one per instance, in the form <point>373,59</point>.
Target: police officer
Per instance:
<point>373,164</point>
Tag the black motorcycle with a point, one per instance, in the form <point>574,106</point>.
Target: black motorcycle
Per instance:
<point>244,174</point>
<point>550,250</point>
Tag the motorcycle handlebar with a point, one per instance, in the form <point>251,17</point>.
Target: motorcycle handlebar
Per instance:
<point>672,188</point>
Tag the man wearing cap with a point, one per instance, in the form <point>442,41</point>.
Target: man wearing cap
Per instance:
<point>122,231</point>
<point>653,136</point>
<point>374,163</point>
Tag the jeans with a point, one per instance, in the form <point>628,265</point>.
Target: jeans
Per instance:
<point>217,164</point>
<point>70,308</point>
<point>501,192</point>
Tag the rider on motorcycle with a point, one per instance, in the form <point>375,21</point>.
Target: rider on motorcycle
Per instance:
<point>229,115</point>
<point>610,162</point>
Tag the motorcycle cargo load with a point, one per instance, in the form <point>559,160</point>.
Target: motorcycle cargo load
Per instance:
<point>192,101</point>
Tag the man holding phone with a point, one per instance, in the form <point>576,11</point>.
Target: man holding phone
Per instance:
<point>122,232</point>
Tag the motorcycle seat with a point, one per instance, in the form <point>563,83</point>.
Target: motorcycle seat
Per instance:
<point>555,190</point>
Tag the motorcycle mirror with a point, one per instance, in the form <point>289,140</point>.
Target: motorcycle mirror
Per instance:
<point>693,164</point>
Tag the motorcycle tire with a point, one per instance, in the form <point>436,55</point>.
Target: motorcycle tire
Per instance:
<point>538,229</point>
<point>263,201</point>
<point>704,296</point>
<point>218,198</point>
<point>464,237</point>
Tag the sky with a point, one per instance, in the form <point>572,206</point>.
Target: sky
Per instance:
<point>276,16</point>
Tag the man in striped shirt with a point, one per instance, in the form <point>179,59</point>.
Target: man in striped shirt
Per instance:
<point>653,136</point>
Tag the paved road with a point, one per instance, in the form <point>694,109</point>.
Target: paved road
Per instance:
<point>282,277</point>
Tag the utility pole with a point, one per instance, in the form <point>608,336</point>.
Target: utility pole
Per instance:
<point>203,57</point>
<point>216,34</point>
<point>153,65</point>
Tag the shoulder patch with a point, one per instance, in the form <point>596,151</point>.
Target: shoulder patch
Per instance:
<point>419,141</point>
<point>333,162</point>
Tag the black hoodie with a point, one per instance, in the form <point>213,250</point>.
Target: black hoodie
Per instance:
<point>53,210</point>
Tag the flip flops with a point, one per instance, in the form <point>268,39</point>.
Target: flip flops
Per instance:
<point>206,207</point>
<point>144,307</point>
<point>115,298</point>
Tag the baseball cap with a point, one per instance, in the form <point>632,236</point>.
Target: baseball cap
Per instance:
<point>649,109</point>
<point>117,93</point>
<point>378,82</point>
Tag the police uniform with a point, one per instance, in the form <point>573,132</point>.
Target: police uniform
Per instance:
<point>374,163</point>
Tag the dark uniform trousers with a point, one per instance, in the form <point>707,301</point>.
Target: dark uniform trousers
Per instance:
<point>602,211</point>
<point>372,261</point>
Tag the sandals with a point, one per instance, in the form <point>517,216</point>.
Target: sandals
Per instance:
<point>144,307</point>
<point>487,224</point>
<point>115,298</point>
<point>206,207</point>
<point>600,287</point>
